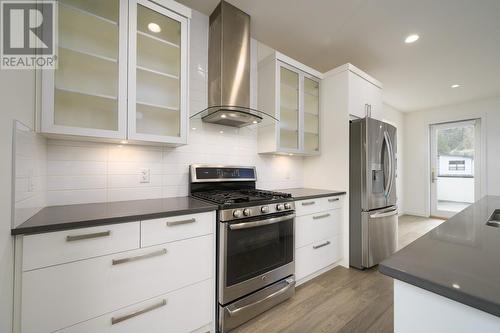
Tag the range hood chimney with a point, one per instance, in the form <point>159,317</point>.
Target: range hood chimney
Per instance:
<point>229,69</point>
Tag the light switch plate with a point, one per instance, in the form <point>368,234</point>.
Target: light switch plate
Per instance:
<point>145,176</point>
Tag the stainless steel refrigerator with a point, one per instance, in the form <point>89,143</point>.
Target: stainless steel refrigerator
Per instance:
<point>373,219</point>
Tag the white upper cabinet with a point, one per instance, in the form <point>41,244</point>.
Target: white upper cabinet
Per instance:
<point>365,93</point>
<point>113,51</point>
<point>289,91</point>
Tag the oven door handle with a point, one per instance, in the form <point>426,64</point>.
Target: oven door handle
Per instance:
<point>247,225</point>
<point>290,283</point>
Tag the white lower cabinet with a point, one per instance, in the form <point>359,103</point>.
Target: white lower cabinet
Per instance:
<point>168,287</point>
<point>181,311</point>
<point>317,236</point>
<point>313,257</point>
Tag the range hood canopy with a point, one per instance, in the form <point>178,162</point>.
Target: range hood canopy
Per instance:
<point>229,71</point>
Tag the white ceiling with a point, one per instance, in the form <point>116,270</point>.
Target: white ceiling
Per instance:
<point>459,42</point>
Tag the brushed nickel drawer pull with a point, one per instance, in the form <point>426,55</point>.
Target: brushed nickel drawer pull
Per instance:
<point>321,216</point>
<point>116,320</point>
<point>173,223</point>
<point>308,203</point>
<point>321,245</point>
<point>333,199</point>
<point>144,256</point>
<point>88,236</point>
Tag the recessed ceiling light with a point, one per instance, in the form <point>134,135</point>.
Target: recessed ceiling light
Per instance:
<point>223,116</point>
<point>455,85</point>
<point>124,142</point>
<point>221,132</point>
<point>255,121</point>
<point>153,27</point>
<point>412,38</point>
<point>193,128</point>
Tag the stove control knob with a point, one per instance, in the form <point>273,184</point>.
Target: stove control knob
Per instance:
<point>264,209</point>
<point>288,205</point>
<point>280,207</point>
<point>237,213</point>
<point>247,212</point>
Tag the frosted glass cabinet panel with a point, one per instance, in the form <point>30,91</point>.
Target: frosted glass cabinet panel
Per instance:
<point>158,42</point>
<point>311,114</point>
<point>289,109</point>
<point>86,94</point>
<point>290,91</point>
<point>122,72</point>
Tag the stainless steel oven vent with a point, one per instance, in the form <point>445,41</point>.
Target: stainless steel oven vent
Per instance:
<point>229,70</point>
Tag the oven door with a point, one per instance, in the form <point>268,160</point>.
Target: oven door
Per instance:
<point>254,253</point>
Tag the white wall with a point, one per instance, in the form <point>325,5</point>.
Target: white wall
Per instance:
<point>17,94</point>
<point>416,161</point>
<point>396,118</point>
<point>30,173</point>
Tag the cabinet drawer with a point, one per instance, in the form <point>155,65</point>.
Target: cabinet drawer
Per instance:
<point>314,227</point>
<point>86,289</point>
<point>181,311</point>
<point>311,258</point>
<point>331,203</point>
<point>60,247</point>
<point>174,228</point>
<point>309,206</point>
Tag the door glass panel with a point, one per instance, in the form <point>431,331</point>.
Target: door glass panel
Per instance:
<point>86,81</point>
<point>158,73</point>
<point>311,115</point>
<point>289,109</point>
<point>454,174</point>
<point>255,251</point>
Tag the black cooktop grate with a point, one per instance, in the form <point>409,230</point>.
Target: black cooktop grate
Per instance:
<point>240,196</point>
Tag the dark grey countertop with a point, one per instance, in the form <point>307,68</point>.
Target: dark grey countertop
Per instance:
<point>57,218</point>
<point>310,193</point>
<point>460,259</point>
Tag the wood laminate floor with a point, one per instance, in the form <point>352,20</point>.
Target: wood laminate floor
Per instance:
<point>341,300</point>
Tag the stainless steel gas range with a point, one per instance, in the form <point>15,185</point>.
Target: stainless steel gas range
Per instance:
<point>255,242</point>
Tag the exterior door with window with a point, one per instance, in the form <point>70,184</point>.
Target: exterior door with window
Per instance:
<point>454,166</point>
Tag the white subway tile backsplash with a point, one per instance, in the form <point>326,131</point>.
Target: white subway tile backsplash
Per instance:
<point>55,183</point>
<point>76,196</point>
<point>134,193</point>
<point>75,168</point>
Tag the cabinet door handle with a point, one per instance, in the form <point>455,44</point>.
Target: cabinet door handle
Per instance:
<point>308,203</point>
<point>173,223</point>
<point>144,256</point>
<point>116,320</point>
<point>333,199</point>
<point>321,245</point>
<point>88,236</point>
<point>317,217</point>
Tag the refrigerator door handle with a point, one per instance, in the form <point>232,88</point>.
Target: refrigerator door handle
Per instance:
<point>390,177</point>
<point>384,214</point>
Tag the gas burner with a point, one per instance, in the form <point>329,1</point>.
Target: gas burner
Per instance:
<point>240,196</point>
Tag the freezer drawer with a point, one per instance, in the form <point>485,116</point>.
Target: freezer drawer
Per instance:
<point>380,235</point>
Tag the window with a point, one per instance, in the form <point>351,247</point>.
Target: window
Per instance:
<point>456,165</point>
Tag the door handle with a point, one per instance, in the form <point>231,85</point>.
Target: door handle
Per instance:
<point>384,214</point>
<point>116,320</point>
<point>88,236</point>
<point>290,283</point>
<point>254,224</point>
<point>136,258</point>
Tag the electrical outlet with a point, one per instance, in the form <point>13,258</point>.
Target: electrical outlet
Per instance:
<point>145,176</point>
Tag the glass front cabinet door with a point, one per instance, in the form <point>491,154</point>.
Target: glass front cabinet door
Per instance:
<point>157,74</point>
<point>111,52</point>
<point>291,94</point>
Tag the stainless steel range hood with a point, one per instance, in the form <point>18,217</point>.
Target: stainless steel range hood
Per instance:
<point>229,70</point>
